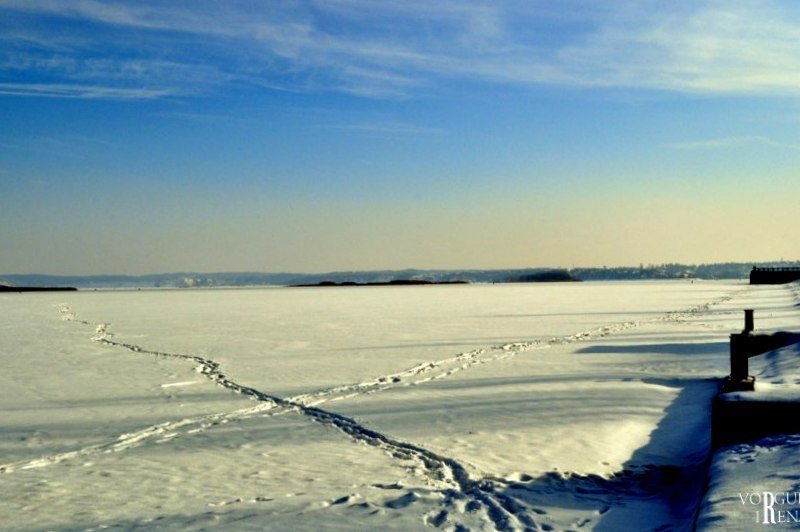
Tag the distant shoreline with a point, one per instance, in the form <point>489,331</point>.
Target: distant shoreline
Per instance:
<point>398,282</point>
<point>739,271</point>
<point>38,289</point>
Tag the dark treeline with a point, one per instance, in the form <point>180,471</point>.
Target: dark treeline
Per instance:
<point>731,270</point>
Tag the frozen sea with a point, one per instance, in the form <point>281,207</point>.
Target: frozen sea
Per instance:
<point>481,407</point>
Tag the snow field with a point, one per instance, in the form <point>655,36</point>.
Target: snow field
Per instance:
<point>487,407</point>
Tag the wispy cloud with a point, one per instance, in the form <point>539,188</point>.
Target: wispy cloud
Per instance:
<point>736,47</point>
<point>732,143</point>
<point>89,140</point>
<point>206,117</point>
<point>63,90</point>
<point>390,128</point>
<point>397,49</point>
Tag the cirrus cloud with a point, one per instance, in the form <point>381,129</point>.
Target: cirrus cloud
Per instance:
<point>121,49</point>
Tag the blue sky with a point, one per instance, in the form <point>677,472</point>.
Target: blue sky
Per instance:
<point>150,136</point>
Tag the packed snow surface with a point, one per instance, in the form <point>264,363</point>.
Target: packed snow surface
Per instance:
<point>481,407</point>
<point>757,484</point>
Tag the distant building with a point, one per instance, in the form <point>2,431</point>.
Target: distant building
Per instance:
<point>774,275</point>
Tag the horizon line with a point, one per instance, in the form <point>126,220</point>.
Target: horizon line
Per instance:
<point>410,269</point>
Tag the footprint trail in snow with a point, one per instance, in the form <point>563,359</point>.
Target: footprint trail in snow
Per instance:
<point>460,491</point>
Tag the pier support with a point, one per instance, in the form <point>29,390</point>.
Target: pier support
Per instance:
<point>745,345</point>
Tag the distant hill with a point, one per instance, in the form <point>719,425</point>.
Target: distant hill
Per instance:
<point>547,276</point>
<point>221,279</point>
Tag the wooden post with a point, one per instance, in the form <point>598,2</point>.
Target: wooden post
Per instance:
<point>748,321</point>
<point>739,358</point>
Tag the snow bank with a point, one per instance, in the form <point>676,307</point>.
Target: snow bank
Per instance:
<point>752,485</point>
<point>758,483</point>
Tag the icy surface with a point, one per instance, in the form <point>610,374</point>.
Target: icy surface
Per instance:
<point>487,407</point>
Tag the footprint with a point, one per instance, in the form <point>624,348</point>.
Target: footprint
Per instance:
<point>402,502</point>
<point>473,506</point>
<point>437,520</point>
<point>343,500</point>
<point>395,486</point>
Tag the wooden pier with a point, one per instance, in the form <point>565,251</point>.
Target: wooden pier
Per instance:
<point>774,275</point>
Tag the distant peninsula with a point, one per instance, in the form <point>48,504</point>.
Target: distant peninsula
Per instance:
<point>5,288</point>
<point>396,282</point>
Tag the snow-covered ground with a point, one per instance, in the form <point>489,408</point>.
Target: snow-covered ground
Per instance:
<point>757,484</point>
<point>541,406</point>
